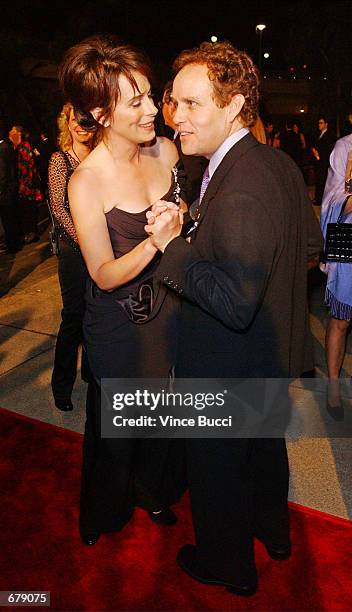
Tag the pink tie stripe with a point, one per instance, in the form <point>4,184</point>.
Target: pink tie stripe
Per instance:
<point>205,183</point>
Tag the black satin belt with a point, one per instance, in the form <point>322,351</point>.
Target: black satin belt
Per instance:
<point>140,302</point>
<point>138,306</point>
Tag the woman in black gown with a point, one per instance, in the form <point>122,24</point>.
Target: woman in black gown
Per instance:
<point>130,325</point>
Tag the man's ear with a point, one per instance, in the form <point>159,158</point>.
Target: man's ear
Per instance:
<point>98,116</point>
<point>235,106</point>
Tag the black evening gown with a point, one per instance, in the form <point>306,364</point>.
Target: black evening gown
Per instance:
<point>129,333</point>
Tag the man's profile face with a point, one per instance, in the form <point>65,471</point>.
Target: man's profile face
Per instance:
<point>202,125</point>
<point>322,125</point>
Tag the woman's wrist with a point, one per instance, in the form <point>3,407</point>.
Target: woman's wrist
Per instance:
<point>149,247</point>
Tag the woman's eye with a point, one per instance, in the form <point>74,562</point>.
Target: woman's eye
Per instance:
<point>135,104</point>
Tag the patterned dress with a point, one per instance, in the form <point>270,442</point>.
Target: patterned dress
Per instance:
<point>28,176</point>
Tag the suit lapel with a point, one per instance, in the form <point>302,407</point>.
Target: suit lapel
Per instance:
<point>234,154</point>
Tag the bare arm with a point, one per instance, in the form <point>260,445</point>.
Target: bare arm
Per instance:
<point>94,240</point>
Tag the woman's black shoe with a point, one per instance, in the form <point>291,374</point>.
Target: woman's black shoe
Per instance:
<point>64,405</point>
<point>89,539</point>
<point>337,411</point>
<point>165,517</point>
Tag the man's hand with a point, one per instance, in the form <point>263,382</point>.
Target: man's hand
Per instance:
<point>158,208</point>
<point>164,224</point>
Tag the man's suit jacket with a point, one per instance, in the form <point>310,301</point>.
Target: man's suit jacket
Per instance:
<point>8,182</point>
<point>244,275</point>
<point>324,146</point>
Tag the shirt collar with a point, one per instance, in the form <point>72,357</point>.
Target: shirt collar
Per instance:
<point>224,148</point>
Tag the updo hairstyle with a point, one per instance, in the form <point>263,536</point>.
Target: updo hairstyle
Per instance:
<point>89,76</point>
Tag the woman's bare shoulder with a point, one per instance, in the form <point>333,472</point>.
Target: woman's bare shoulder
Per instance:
<point>84,187</point>
<point>88,175</point>
<point>164,149</point>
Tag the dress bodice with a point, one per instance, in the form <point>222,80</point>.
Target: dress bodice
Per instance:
<point>142,297</point>
<point>126,229</point>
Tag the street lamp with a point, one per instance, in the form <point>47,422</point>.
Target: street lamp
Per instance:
<point>214,39</point>
<point>259,29</point>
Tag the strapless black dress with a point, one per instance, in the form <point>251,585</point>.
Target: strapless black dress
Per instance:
<point>129,333</point>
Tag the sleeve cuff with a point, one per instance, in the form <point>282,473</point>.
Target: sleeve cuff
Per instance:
<point>174,264</point>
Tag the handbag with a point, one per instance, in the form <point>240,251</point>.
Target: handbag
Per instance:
<point>53,234</point>
<point>338,243</point>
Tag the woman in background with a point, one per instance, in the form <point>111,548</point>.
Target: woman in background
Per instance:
<point>29,193</point>
<point>75,144</point>
<point>338,294</point>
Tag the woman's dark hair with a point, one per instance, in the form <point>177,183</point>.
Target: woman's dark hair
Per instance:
<point>89,76</point>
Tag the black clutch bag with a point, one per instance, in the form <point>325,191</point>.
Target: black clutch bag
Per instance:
<point>338,243</point>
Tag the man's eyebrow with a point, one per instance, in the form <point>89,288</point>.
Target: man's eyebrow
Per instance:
<point>190,99</point>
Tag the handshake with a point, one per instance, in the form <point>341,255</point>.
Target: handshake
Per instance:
<point>165,221</point>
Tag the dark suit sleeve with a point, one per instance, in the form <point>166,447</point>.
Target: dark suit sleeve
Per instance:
<point>231,286</point>
<point>7,175</point>
<point>3,173</point>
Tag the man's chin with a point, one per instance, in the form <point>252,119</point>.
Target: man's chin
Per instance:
<point>187,149</point>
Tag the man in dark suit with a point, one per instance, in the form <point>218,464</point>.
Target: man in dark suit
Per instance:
<point>322,149</point>
<point>8,192</point>
<point>243,274</point>
<point>194,166</point>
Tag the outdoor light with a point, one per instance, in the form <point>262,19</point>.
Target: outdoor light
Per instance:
<point>259,29</point>
<point>266,55</point>
<point>214,39</point>
<point>301,110</point>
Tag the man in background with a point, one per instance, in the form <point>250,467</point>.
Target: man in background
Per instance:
<point>8,193</point>
<point>323,146</point>
<point>194,166</point>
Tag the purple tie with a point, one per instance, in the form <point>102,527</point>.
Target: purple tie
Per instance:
<point>205,183</point>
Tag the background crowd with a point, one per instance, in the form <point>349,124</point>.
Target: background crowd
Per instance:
<point>24,160</point>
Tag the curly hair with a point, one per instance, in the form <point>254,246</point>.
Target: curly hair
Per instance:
<point>230,71</point>
<point>64,139</point>
<point>89,76</point>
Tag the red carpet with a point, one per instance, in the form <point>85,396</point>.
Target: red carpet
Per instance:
<point>135,570</point>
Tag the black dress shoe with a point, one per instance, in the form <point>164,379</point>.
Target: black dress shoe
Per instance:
<point>279,552</point>
<point>165,517</point>
<point>187,560</point>
<point>65,405</point>
<point>89,539</point>
<point>31,237</point>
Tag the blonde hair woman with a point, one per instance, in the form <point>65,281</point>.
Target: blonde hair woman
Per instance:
<point>75,144</point>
